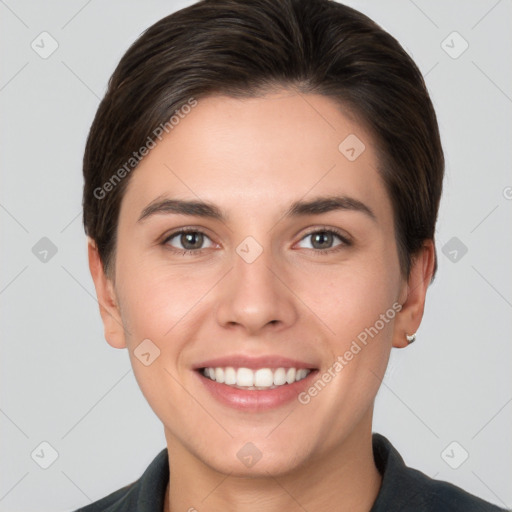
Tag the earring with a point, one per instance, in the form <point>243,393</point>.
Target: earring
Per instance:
<point>411,338</point>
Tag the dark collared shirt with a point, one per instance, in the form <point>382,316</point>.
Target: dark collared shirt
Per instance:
<point>403,489</point>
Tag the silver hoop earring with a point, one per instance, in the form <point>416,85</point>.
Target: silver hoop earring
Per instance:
<point>411,338</point>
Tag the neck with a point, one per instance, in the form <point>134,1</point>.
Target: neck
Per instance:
<point>344,479</point>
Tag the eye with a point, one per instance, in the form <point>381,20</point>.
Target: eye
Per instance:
<point>189,240</point>
<point>323,239</point>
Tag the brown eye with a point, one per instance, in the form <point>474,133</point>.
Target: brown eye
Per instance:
<point>191,240</point>
<point>324,240</point>
<point>187,240</point>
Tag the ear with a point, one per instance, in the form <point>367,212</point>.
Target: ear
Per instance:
<point>109,308</point>
<point>413,294</point>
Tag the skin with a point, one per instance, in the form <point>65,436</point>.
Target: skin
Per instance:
<point>252,158</point>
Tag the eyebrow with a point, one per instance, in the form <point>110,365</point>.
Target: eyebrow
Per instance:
<point>203,209</point>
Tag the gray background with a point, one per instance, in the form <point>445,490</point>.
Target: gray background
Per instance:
<point>63,384</point>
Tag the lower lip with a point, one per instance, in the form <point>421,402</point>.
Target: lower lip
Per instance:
<point>253,399</point>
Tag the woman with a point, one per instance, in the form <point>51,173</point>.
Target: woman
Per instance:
<point>262,182</point>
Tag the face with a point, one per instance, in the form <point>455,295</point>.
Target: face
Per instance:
<point>292,263</point>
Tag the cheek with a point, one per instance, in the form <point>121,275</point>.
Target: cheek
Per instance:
<point>358,305</point>
<point>156,298</point>
<point>159,308</point>
<point>349,298</point>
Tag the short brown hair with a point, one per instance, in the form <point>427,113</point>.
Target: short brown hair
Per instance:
<point>245,48</point>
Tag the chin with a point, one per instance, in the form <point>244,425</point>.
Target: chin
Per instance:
<point>256,459</point>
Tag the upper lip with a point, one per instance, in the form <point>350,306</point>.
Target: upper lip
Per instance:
<point>244,361</point>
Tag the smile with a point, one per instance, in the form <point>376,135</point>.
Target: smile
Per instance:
<point>255,379</point>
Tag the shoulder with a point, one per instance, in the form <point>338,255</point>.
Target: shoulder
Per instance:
<point>117,501</point>
<point>440,496</point>
<point>407,489</point>
<point>143,495</point>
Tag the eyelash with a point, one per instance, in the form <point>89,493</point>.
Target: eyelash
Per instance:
<point>345,242</point>
<point>318,252</point>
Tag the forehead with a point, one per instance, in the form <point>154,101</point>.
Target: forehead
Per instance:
<point>255,155</point>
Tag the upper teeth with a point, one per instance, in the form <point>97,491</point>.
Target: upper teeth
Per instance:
<point>263,378</point>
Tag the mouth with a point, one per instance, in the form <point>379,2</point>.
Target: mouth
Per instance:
<point>255,379</point>
<point>255,384</point>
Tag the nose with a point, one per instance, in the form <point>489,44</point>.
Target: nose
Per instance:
<point>256,296</point>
